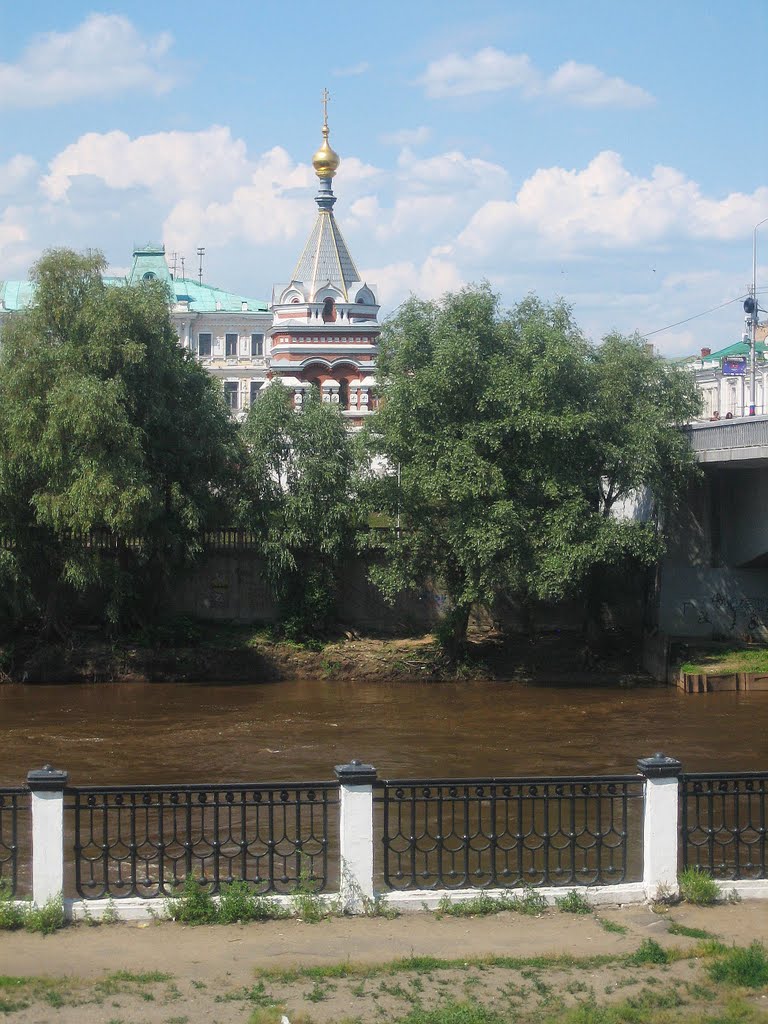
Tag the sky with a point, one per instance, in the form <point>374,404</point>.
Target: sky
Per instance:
<point>613,154</point>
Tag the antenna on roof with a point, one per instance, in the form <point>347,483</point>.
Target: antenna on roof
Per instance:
<point>174,257</point>
<point>200,253</point>
<point>182,268</point>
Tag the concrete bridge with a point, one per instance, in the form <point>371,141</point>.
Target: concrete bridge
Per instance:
<point>744,441</point>
<point>714,578</point>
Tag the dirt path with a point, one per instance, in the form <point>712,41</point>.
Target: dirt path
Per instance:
<point>173,974</point>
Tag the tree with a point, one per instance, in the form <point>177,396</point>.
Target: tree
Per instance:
<point>502,434</point>
<point>105,425</point>
<point>297,494</point>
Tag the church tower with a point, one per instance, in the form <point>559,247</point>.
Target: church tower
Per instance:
<point>324,321</point>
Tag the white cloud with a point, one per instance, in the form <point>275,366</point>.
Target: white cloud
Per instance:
<point>16,172</point>
<point>429,279</point>
<point>488,70</point>
<point>605,206</point>
<point>586,86</point>
<point>453,170</point>
<point>407,137</point>
<point>104,56</point>
<point>491,70</point>
<point>165,162</point>
<point>352,70</point>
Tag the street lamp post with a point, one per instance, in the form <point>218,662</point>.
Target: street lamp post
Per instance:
<point>751,307</point>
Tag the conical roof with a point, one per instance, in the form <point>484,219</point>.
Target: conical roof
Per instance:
<point>326,258</point>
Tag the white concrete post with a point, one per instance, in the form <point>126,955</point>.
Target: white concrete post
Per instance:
<point>46,786</point>
<point>660,825</point>
<point>356,834</point>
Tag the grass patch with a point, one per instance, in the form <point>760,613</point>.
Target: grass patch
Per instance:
<point>698,886</point>
<point>611,926</point>
<point>237,904</point>
<point>649,953</point>
<point>528,901</point>
<point>44,920</point>
<point>745,966</point>
<point>690,933</point>
<point>573,902</point>
<point>726,660</point>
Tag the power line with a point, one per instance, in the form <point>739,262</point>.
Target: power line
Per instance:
<point>739,298</point>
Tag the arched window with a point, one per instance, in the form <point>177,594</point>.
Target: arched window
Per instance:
<point>343,393</point>
<point>329,311</point>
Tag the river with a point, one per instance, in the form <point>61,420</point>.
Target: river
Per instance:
<point>298,730</point>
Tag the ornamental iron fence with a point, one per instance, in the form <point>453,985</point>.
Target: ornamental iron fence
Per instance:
<point>723,823</point>
<point>488,833</point>
<point>145,841</point>
<point>11,801</point>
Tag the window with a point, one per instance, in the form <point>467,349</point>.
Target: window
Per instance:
<point>343,394</point>
<point>204,344</point>
<point>232,393</point>
<point>257,344</point>
<point>256,386</point>
<point>329,311</point>
<point>231,345</point>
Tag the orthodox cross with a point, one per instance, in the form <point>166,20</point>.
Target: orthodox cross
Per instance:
<point>326,97</point>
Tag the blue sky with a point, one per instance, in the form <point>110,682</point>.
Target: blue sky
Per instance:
<point>612,153</point>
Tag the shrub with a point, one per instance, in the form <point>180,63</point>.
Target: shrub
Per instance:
<point>742,966</point>
<point>238,903</point>
<point>697,886</point>
<point>44,920</point>
<point>573,902</point>
<point>11,914</point>
<point>193,905</point>
<point>649,952</point>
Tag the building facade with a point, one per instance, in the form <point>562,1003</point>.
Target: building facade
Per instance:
<point>320,331</point>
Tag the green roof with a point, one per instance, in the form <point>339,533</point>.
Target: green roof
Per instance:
<point>149,264</point>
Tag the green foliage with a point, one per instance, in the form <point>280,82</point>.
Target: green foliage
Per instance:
<point>742,966</point>
<point>44,920</point>
<point>527,901</point>
<point>296,494</point>
<point>649,952</point>
<point>193,905</point>
<point>674,928</point>
<point>509,441</point>
<point>238,903</point>
<point>697,886</point>
<point>573,902</point>
<point>106,424</point>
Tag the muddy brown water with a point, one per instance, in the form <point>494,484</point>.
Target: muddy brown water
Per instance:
<point>298,730</point>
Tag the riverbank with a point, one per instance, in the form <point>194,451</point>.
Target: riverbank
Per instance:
<point>555,966</point>
<point>210,653</point>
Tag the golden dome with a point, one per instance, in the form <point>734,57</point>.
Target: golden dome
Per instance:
<point>326,160</point>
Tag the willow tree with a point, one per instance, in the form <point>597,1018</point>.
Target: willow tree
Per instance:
<point>296,492</point>
<point>105,425</point>
<point>501,433</point>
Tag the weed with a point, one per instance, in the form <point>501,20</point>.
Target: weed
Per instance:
<point>747,966</point>
<point>573,902</point>
<point>139,977</point>
<point>239,903</point>
<point>193,905</point>
<point>319,992</point>
<point>690,933</point>
<point>455,1013</point>
<point>47,919</point>
<point>110,914</point>
<point>698,886</point>
<point>256,994</point>
<point>611,926</point>
<point>308,905</point>
<point>649,952</point>
<point>528,901</point>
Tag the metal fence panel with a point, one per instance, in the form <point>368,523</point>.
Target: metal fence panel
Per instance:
<point>144,841</point>
<point>11,800</point>
<point>484,833</point>
<point>723,823</point>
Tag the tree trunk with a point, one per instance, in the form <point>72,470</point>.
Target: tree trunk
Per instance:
<point>452,633</point>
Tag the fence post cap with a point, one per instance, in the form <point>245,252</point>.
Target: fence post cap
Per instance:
<point>47,778</point>
<point>659,766</point>
<point>356,773</point>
